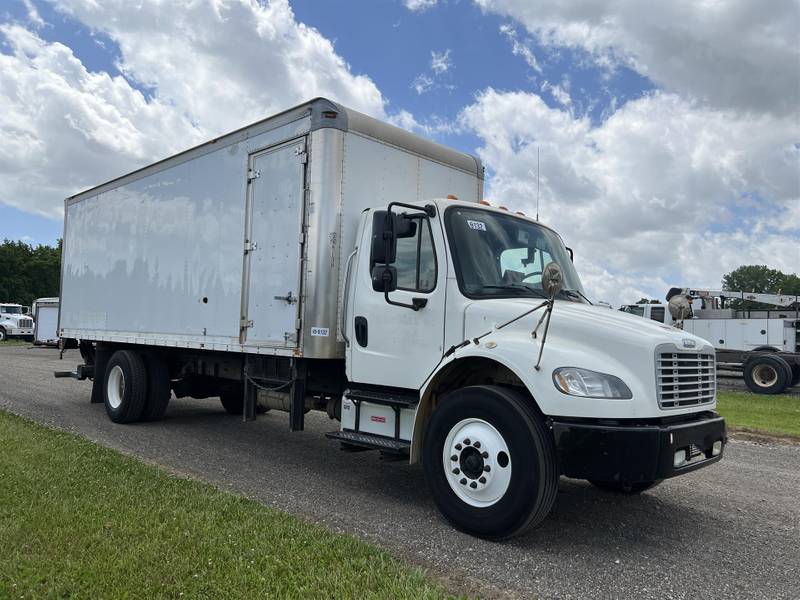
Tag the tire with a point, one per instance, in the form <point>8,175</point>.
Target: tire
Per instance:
<point>3,336</point>
<point>125,386</point>
<point>232,400</point>
<point>625,487</point>
<point>767,374</point>
<point>521,481</point>
<point>795,376</point>
<point>158,387</point>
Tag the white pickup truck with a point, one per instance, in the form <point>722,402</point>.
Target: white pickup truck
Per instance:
<point>15,321</point>
<point>323,260</point>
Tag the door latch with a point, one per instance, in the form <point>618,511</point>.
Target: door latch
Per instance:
<point>289,299</point>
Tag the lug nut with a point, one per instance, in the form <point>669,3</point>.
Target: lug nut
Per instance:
<point>458,447</point>
<point>473,485</point>
<point>463,481</point>
<point>482,480</point>
<point>454,457</point>
<point>485,454</point>
<point>466,442</point>
<point>477,444</point>
<point>456,471</point>
<point>487,468</point>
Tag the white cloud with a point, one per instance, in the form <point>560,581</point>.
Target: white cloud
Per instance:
<point>440,62</point>
<point>419,5</point>
<point>732,54</point>
<point>519,48</point>
<point>212,67</point>
<point>662,188</point>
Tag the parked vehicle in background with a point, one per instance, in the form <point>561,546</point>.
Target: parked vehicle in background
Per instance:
<point>15,321</point>
<point>763,344</point>
<point>45,316</point>
<point>323,260</point>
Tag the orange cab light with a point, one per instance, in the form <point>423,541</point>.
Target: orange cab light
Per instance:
<point>519,212</point>
<point>484,202</point>
<point>502,208</point>
<point>452,197</point>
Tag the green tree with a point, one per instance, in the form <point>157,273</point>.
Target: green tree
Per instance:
<point>759,279</point>
<point>28,272</point>
<point>647,301</point>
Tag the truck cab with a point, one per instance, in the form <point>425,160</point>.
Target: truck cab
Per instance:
<point>15,321</point>
<point>449,302</point>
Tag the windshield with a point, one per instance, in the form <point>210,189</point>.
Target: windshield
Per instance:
<point>500,255</point>
<point>11,310</point>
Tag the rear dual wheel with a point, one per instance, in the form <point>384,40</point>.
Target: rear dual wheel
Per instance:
<point>489,461</point>
<point>136,387</point>
<point>767,374</point>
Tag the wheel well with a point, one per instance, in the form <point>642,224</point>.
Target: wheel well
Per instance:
<point>474,370</point>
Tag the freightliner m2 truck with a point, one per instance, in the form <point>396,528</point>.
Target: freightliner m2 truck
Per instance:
<point>323,260</point>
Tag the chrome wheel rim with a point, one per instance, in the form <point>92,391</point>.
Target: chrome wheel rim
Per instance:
<point>476,462</point>
<point>115,390</point>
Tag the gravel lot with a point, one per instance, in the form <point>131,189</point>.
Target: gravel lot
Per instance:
<point>731,530</point>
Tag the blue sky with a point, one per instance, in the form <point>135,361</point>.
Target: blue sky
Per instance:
<point>669,132</point>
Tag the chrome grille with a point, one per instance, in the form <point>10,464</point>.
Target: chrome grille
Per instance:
<point>685,378</point>
<point>23,323</point>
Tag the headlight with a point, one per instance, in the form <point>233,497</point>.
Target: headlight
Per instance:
<point>589,384</point>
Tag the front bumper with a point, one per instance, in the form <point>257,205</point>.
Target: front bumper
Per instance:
<point>644,451</point>
<point>19,331</point>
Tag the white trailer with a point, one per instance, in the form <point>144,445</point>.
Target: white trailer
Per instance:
<point>763,344</point>
<point>45,316</point>
<point>15,321</point>
<point>323,260</point>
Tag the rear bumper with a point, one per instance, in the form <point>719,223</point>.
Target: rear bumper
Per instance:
<point>641,452</point>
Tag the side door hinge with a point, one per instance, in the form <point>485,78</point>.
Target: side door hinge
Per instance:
<point>253,174</point>
<point>250,247</point>
<point>245,323</point>
<point>300,152</point>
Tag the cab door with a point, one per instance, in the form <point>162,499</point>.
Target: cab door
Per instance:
<point>392,345</point>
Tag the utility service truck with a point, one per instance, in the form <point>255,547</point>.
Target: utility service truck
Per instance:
<point>15,321</point>
<point>763,344</point>
<point>323,260</point>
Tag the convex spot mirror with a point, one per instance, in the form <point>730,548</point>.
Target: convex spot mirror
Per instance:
<point>552,279</point>
<point>384,278</point>
<point>401,227</point>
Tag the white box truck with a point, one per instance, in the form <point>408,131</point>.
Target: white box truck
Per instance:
<point>323,260</point>
<point>45,316</point>
<point>15,321</point>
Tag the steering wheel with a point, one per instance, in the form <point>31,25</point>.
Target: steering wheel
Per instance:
<point>531,275</point>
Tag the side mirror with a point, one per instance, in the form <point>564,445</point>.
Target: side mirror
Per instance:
<point>571,254</point>
<point>399,226</point>
<point>384,278</point>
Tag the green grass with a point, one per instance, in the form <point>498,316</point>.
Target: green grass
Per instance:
<point>80,520</point>
<point>15,342</point>
<point>761,413</point>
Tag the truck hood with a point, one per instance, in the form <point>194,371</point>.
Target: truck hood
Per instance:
<point>585,337</point>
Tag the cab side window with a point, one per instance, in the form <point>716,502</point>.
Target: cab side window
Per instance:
<point>416,260</point>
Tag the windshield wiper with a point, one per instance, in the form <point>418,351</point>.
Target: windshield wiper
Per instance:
<point>575,294</point>
<point>520,287</point>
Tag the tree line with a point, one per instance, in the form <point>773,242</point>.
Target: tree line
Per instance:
<point>29,272</point>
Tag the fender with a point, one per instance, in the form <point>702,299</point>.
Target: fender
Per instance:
<point>497,356</point>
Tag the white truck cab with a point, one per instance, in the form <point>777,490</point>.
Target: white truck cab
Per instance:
<point>316,261</point>
<point>15,321</point>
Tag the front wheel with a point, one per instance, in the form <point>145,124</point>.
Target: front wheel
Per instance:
<point>628,488</point>
<point>490,462</point>
<point>3,335</point>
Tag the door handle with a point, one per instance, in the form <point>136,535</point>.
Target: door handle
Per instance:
<point>360,326</point>
<point>289,299</point>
